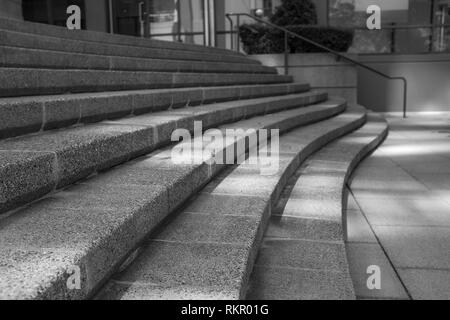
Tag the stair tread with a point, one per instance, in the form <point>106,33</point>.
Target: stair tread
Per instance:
<point>33,81</point>
<point>108,216</point>
<point>22,115</point>
<point>208,249</point>
<point>46,42</point>
<point>305,236</point>
<point>94,36</point>
<point>41,58</point>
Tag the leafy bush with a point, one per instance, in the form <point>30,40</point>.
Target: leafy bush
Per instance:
<point>260,39</point>
<point>295,12</point>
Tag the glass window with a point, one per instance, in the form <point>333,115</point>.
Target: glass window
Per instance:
<point>407,25</point>
<point>171,20</point>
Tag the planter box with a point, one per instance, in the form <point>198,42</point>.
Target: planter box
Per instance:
<point>320,70</point>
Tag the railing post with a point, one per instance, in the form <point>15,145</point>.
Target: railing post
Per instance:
<point>231,31</point>
<point>405,98</point>
<point>286,54</point>
<point>238,44</point>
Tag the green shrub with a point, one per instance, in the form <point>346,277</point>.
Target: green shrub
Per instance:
<point>295,12</point>
<point>260,39</point>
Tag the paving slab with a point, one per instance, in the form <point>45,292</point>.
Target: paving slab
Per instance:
<point>285,227</point>
<point>303,254</point>
<point>358,229</point>
<point>416,247</point>
<point>415,211</point>
<point>361,256</point>
<point>299,284</point>
<point>427,284</point>
<point>413,225</point>
<point>227,205</point>
<point>202,265</point>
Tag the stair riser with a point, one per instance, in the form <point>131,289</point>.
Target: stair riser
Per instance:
<point>90,150</point>
<point>60,32</point>
<point>20,116</point>
<point>15,39</point>
<point>30,58</point>
<point>22,82</point>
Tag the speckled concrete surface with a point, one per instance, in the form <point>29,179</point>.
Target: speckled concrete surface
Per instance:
<point>205,247</point>
<point>81,151</point>
<point>99,221</point>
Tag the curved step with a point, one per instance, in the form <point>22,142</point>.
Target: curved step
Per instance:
<point>303,256</point>
<point>24,115</point>
<point>93,226</point>
<point>207,251</point>
<point>102,37</point>
<point>31,166</point>
<point>23,81</point>
<point>39,58</point>
<point>44,42</point>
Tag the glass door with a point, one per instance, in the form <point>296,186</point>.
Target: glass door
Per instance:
<point>170,20</point>
<point>128,17</point>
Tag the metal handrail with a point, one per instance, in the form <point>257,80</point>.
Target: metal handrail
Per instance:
<point>318,45</point>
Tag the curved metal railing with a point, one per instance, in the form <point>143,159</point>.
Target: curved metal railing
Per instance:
<point>318,45</point>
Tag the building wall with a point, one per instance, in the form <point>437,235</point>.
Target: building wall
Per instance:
<point>321,71</point>
<point>11,9</point>
<point>428,78</point>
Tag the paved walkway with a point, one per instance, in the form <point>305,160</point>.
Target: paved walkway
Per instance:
<point>399,212</point>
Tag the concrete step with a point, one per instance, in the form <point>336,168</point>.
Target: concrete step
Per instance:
<point>45,42</point>
<point>24,82</point>
<point>34,165</point>
<point>101,37</point>
<point>207,250</point>
<point>24,115</point>
<point>91,228</point>
<point>303,256</point>
<point>37,58</point>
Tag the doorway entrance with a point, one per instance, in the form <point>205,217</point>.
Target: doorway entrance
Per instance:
<point>443,18</point>
<point>172,20</point>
